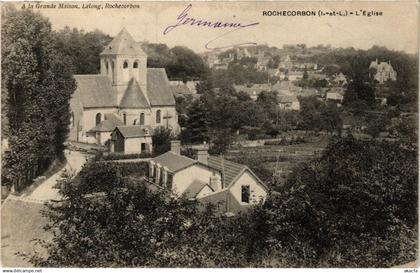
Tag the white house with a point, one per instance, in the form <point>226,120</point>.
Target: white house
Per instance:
<point>289,103</point>
<point>125,89</point>
<point>208,179</point>
<point>131,139</point>
<point>383,71</point>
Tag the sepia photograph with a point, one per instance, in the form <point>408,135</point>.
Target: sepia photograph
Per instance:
<point>209,134</point>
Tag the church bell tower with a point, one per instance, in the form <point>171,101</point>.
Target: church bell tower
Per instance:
<point>122,60</point>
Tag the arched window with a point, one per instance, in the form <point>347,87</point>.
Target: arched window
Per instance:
<point>125,65</point>
<point>158,116</point>
<point>125,118</point>
<point>107,68</point>
<point>112,71</point>
<point>142,119</point>
<point>98,118</point>
<point>136,64</point>
<point>72,119</point>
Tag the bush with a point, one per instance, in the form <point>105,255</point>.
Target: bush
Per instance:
<point>117,156</point>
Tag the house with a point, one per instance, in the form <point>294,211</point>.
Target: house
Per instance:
<point>208,179</point>
<point>131,139</point>
<point>181,90</point>
<point>103,130</point>
<point>335,95</point>
<point>254,90</point>
<point>292,75</point>
<point>125,88</point>
<point>286,87</point>
<point>340,79</point>
<point>262,62</point>
<point>286,63</point>
<point>382,71</point>
<point>242,52</point>
<point>288,103</point>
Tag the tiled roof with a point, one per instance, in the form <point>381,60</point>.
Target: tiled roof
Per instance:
<point>134,97</point>
<point>95,91</point>
<point>194,188</point>
<point>181,89</point>
<point>255,89</point>
<point>173,161</point>
<point>108,125</point>
<point>287,99</point>
<point>217,198</point>
<point>158,90</point>
<point>123,43</point>
<point>135,131</point>
<point>229,169</point>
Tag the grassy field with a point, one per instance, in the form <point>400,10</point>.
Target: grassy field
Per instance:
<point>280,159</point>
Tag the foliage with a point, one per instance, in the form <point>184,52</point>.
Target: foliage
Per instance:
<point>350,208</point>
<point>159,230</point>
<point>117,156</point>
<point>37,96</point>
<point>82,48</point>
<point>162,140</point>
<point>179,62</point>
<point>316,115</point>
<point>354,207</point>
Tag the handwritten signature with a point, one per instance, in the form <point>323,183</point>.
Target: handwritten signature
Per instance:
<point>185,20</point>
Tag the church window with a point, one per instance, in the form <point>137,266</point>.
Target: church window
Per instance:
<point>98,118</point>
<point>142,119</point>
<point>112,71</point>
<point>125,118</point>
<point>158,116</point>
<point>135,64</point>
<point>107,68</point>
<point>72,119</point>
<point>125,65</point>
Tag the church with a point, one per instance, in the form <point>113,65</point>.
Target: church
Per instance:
<point>126,99</point>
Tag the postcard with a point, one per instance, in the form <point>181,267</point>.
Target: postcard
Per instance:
<point>209,134</point>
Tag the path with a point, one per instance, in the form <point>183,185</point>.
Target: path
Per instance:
<point>46,191</point>
<point>22,219</point>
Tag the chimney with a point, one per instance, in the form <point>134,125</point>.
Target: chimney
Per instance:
<point>176,147</point>
<point>202,154</point>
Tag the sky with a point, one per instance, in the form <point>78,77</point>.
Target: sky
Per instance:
<point>397,28</point>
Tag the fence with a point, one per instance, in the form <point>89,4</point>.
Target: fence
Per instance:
<point>24,179</point>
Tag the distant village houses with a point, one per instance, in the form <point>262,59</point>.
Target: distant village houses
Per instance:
<point>383,71</point>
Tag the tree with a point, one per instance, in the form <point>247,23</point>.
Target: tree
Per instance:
<point>162,140</point>
<point>38,82</point>
<point>375,124</point>
<point>83,48</point>
<point>345,209</point>
<point>330,119</point>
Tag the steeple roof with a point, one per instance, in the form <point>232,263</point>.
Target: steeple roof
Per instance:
<point>134,97</point>
<point>123,44</point>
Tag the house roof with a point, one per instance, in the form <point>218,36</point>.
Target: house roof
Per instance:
<point>255,89</point>
<point>95,91</point>
<point>287,99</point>
<point>135,131</point>
<point>174,162</point>
<point>181,89</point>
<point>108,125</point>
<point>230,170</point>
<point>158,90</point>
<point>123,44</point>
<point>194,188</point>
<point>134,97</point>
